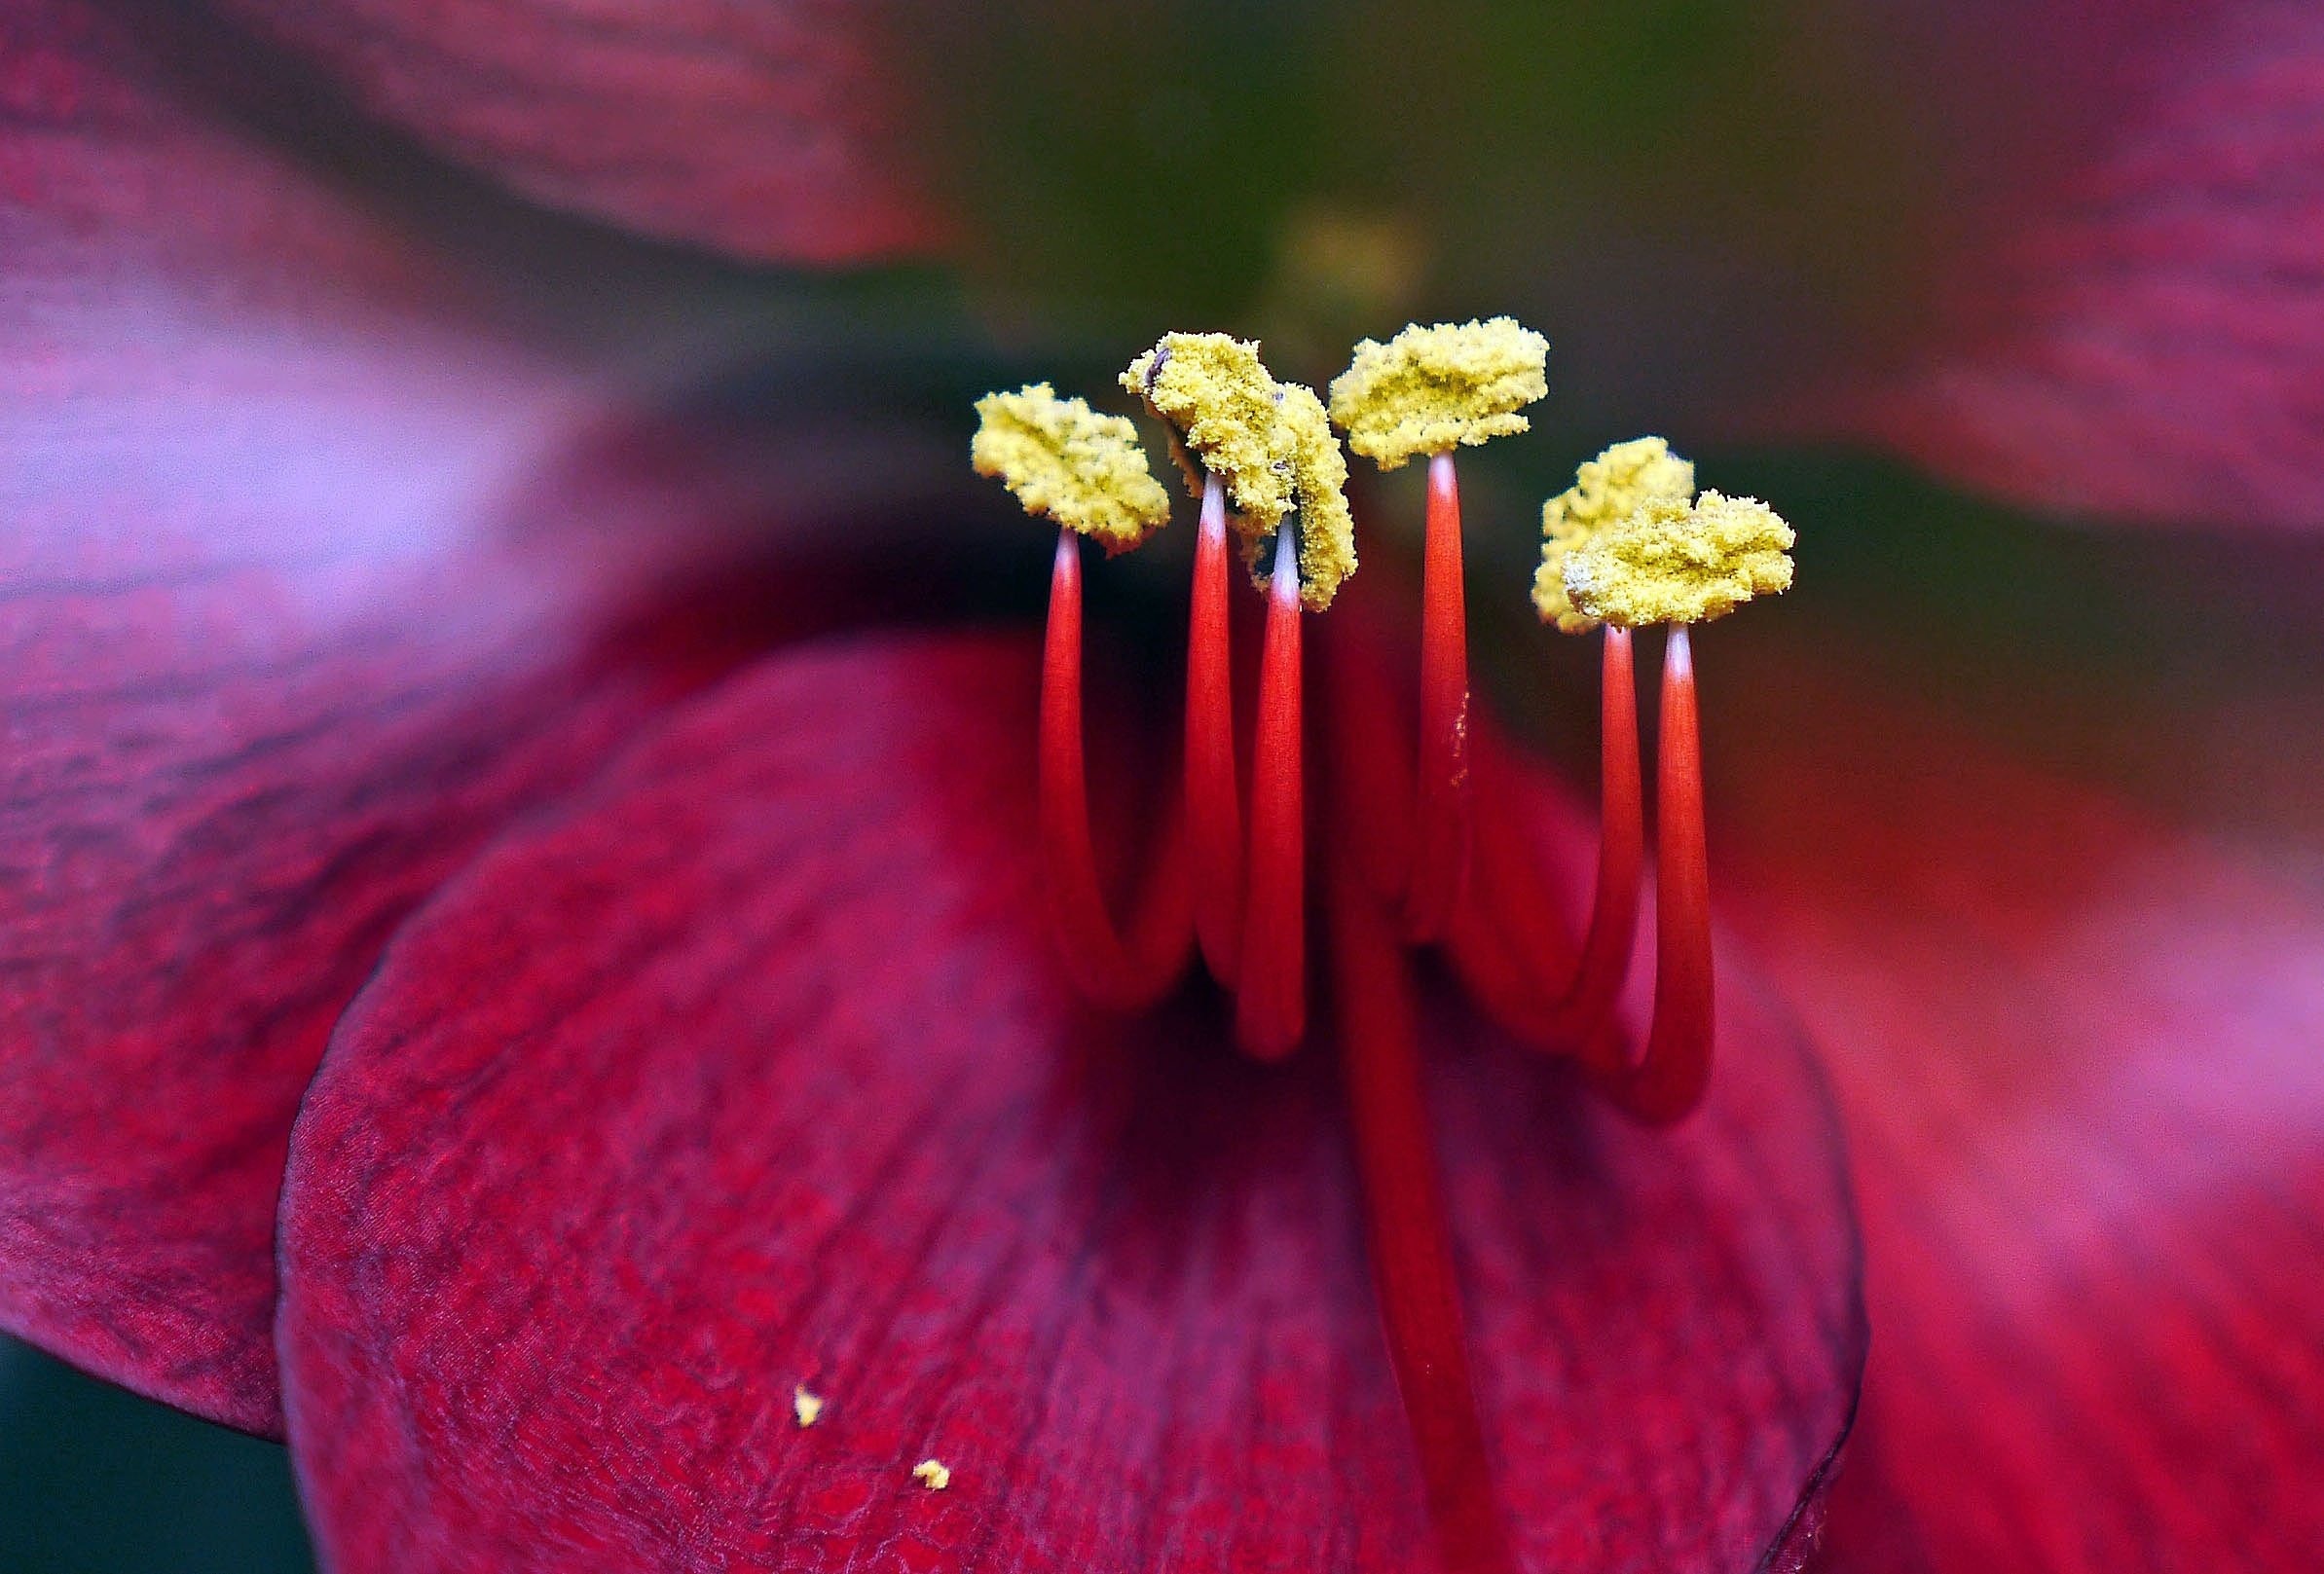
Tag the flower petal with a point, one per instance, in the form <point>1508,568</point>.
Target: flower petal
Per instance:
<point>777,131</point>
<point>302,590</point>
<point>752,1069</point>
<point>2076,1048</point>
<point>2136,329</point>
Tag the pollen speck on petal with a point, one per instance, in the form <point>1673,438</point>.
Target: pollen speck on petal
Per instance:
<point>933,1475</point>
<point>806,1407</point>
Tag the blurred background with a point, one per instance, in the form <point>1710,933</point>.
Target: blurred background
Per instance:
<point>96,1480</point>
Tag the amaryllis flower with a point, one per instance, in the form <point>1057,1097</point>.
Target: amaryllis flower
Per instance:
<point>525,955</point>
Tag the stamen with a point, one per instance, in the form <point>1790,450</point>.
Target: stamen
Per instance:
<point>1412,1261</point>
<point>1621,852</point>
<point>1429,390</point>
<point>1066,462</point>
<point>1606,490</point>
<point>1676,561</point>
<point>1213,801</point>
<point>1271,1006</point>
<point>1670,1078</point>
<point>1130,974</point>
<point>1441,805</point>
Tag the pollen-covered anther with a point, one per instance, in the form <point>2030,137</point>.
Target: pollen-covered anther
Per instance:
<point>1429,390</point>
<point>1222,400</point>
<point>1070,464</point>
<point>1326,527</point>
<point>1605,490</point>
<point>1674,562</point>
<point>1270,443</point>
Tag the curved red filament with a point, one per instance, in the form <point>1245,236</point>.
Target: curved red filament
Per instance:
<point>1621,852</point>
<point>1411,1260</point>
<point>1213,804</point>
<point>1669,1080</point>
<point>1440,839</point>
<point>1272,1002</point>
<point>1125,973</point>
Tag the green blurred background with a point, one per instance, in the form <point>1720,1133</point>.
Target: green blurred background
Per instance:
<point>96,1480</point>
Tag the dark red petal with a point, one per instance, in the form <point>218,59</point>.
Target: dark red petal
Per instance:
<point>2076,1052</point>
<point>752,1068</point>
<point>296,602</point>
<point>2132,322</point>
<point>777,130</point>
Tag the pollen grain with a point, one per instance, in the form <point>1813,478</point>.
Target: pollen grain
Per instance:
<point>933,1475</point>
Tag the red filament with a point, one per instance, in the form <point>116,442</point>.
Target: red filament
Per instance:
<point>1440,842</point>
<point>1271,1003</point>
<point>1621,851</point>
<point>1213,807</point>
<point>1110,968</point>
<point>1669,1080</point>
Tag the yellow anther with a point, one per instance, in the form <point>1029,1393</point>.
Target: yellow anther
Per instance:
<point>933,1475</point>
<point>1214,391</point>
<point>1327,528</point>
<point>1605,490</point>
<point>1271,442</point>
<point>1068,463</point>
<point>1674,562</point>
<point>1427,389</point>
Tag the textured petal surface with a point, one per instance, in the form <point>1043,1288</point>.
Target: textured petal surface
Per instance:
<point>776,130</point>
<point>2076,1052</point>
<point>2133,324</point>
<point>750,1069</point>
<point>298,597</point>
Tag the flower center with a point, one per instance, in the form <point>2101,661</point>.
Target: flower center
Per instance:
<point>1417,848</point>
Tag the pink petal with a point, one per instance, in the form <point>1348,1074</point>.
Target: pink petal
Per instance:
<point>752,1068</point>
<point>777,130</point>
<point>2131,324</point>
<point>300,595</point>
<point>2076,1052</point>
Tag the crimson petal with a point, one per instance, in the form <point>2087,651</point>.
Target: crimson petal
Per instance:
<point>282,638</point>
<point>751,1067</point>
<point>2137,330</point>
<point>2076,1049</point>
<point>777,130</point>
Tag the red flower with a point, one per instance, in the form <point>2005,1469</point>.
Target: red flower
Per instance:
<point>657,1047</point>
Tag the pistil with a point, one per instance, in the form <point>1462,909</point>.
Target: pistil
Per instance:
<point>1411,1250</point>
